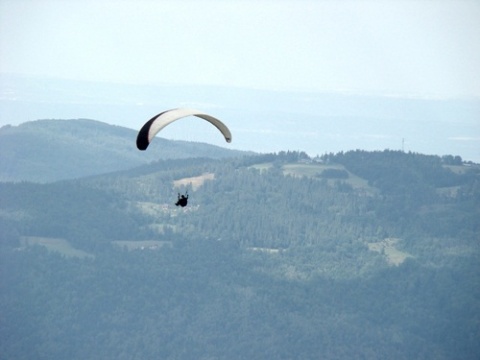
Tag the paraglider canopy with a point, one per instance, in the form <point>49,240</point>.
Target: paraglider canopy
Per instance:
<point>158,122</point>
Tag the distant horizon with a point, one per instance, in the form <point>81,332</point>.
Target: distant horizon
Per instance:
<point>261,120</point>
<point>338,91</point>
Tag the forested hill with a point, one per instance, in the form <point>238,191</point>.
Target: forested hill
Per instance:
<point>50,150</point>
<point>277,256</point>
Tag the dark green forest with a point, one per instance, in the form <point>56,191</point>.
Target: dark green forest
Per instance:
<point>364,255</point>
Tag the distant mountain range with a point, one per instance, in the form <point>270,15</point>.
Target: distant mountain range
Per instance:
<point>261,120</point>
<point>50,150</point>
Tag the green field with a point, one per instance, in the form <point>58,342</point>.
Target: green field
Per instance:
<point>142,245</point>
<point>195,182</point>
<point>262,167</point>
<point>388,249</point>
<point>315,170</point>
<point>61,246</point>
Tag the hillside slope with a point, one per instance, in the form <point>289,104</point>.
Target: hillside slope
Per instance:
<point>356,255</point>
<point>50,150</point>
<point>348,203</point>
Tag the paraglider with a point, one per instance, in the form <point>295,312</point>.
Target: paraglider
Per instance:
<point>182,200</point>
<point>153,126</point>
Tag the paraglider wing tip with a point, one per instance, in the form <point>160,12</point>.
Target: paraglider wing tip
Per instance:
<point>143,139</point>
<point>142,145</point>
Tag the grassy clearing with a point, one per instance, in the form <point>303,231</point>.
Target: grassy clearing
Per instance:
<point>308,170</point>
<point>262,167</point>
<point>265,250</point>
<point>388,249</point>
<point>160,228</point>
<point>142,245</point>
<point>195,181</point>
<point>462,169</point>
<point>61,246</point>
<point>152,209</point>
<point>315,170</point>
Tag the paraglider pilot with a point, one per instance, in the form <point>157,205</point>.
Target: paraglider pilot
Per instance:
<point>182,200</point>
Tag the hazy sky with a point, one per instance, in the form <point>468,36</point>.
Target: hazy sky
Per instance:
<point>385,46</point>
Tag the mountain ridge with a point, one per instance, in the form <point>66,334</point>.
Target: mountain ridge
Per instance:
<point>50,150</point>
<point>261,120</point>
